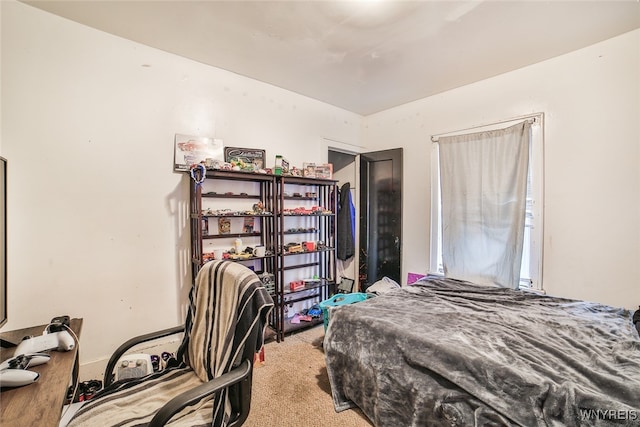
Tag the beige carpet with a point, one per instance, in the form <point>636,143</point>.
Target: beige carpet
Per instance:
<point>291,387</point>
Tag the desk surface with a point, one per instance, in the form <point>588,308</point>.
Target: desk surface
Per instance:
<point>40,403</point>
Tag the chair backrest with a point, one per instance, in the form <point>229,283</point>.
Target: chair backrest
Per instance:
<point>228,312</point>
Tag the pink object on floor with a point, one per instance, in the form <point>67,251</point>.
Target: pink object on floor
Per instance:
<point>413,277</point>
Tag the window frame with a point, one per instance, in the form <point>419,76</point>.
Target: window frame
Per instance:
<point>535,193</point>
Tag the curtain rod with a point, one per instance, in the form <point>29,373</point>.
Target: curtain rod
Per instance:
<point>532,118</point>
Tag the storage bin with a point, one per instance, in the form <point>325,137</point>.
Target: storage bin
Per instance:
<point>341,299</point>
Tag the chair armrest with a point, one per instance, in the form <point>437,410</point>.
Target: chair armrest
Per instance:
<point>120,351</point>
<point>241,373</point>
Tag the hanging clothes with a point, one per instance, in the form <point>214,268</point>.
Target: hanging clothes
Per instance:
<point>346,223</point>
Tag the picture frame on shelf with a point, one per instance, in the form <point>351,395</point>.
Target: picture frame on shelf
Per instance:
<point>224,225</point>
<point>192,150</point>
<point>309,170</point>
<point>249,225</point>
<point>324,171</point>
<point>248,156</point>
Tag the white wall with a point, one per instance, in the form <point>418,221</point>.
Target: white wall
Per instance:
<point>98,225</point>
<point>591,101</point>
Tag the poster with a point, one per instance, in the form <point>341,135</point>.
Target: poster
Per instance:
<point>250,158</point>
<point>190,150</point>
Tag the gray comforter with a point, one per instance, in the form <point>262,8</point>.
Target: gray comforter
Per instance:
<point>444,352</point>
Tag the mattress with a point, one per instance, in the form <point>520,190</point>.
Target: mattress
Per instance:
<point>443,352</point>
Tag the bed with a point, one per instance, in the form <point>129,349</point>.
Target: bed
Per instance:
<point>443,352</point>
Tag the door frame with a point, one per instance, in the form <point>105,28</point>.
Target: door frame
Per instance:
<point>331,145</point>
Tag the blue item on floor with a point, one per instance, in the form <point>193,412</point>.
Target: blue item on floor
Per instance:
<point>341,299</point>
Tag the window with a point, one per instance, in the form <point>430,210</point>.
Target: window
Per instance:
<point>531,268</point>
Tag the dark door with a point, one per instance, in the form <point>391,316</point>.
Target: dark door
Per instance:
<point>380,216</point>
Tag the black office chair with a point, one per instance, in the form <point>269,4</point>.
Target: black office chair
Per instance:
<point>224,328</point>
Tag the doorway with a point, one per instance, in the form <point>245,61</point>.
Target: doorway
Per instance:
<point>380,252</point>
<point>345,172</point>
<point>375,181</point>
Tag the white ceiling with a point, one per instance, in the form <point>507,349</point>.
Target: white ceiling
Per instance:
<point>363,56</point>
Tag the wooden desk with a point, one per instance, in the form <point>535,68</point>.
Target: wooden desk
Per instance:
<point>40,403</point>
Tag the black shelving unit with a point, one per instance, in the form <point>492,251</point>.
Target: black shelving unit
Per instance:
<point>296,210</point>
<point>209,203</point>
<point>306,214</point>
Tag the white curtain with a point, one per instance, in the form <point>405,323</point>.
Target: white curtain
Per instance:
<point>483,179</point>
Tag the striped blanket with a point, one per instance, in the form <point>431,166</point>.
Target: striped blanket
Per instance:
<point>227,302</point>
